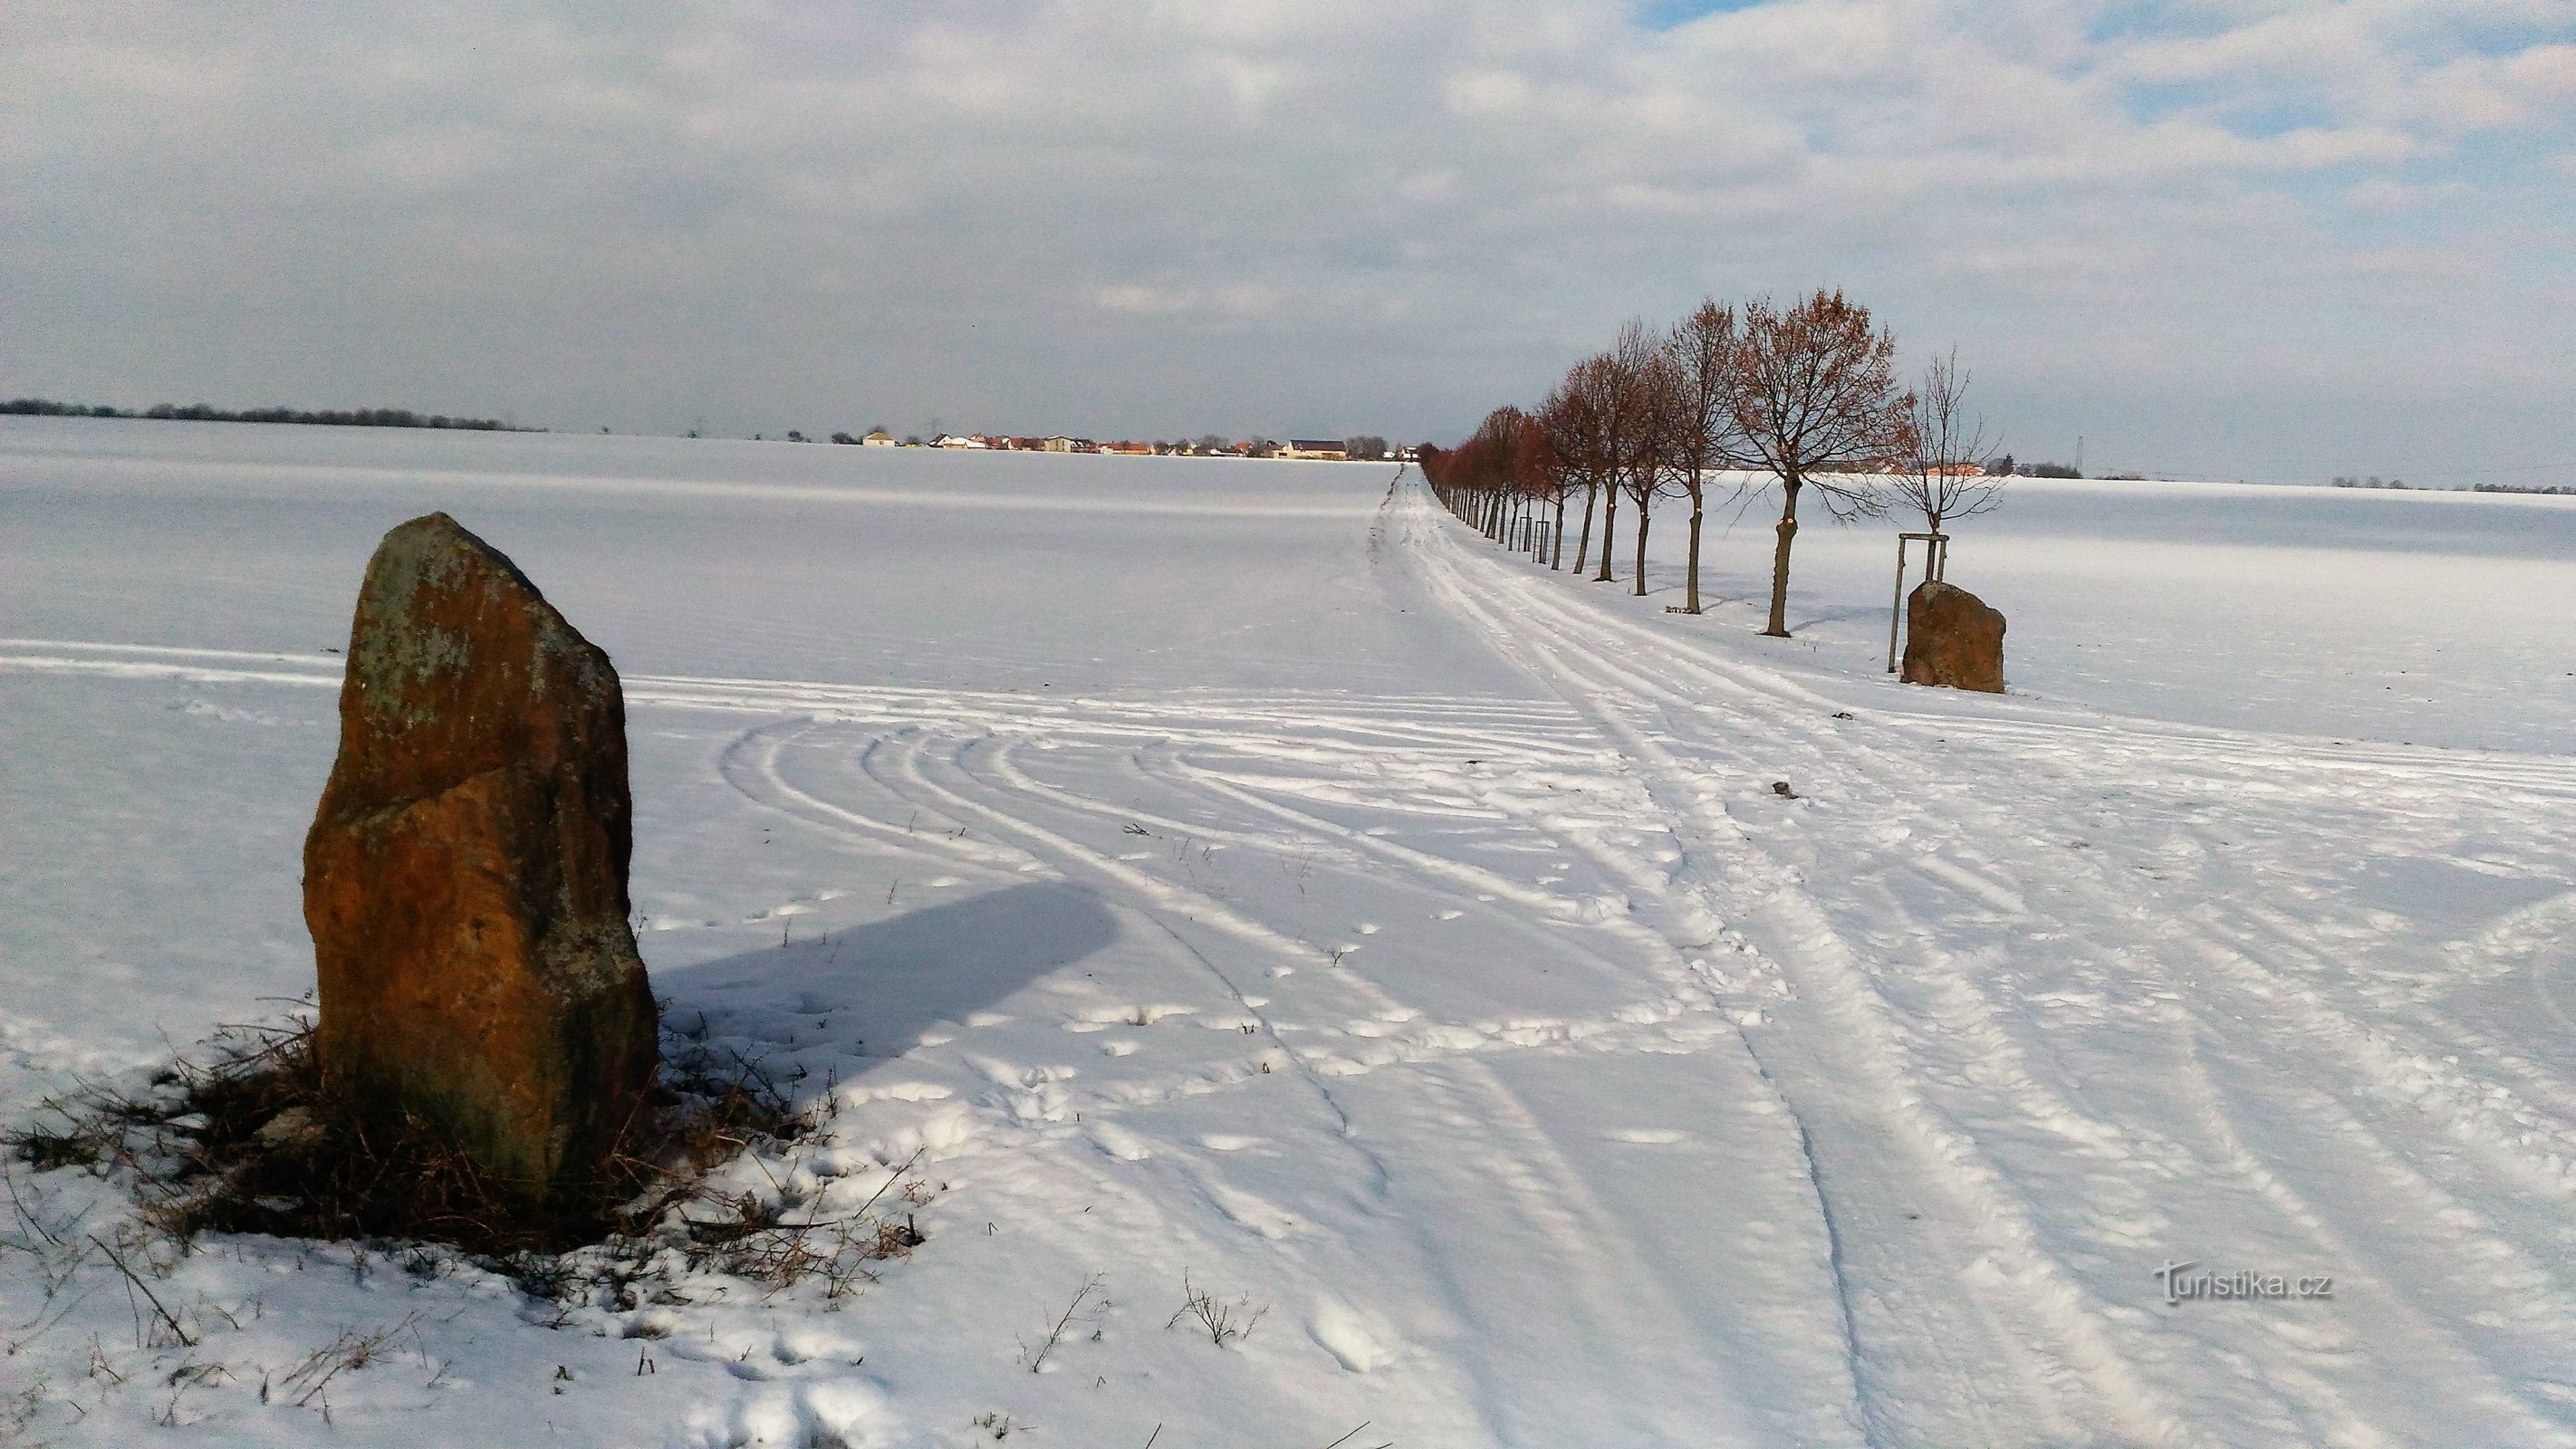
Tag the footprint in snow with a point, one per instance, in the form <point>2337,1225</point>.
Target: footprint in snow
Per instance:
<point>1451,915</point>
<point>1227,1142</point>
<point>842,1411</point>
<point>860,1094</point>
<point>1120,1143</point>
<point>1344,1333</point>
<point>1648,1136</point>
<point>1095,1018</point>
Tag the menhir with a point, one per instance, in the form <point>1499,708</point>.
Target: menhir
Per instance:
<point>1953,638</point>
<point>465,878</point>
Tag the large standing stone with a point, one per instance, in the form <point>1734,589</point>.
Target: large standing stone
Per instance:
<point>465,878</point>
<point>1952,638</point>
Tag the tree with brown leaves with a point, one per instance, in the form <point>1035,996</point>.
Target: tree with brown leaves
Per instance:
<point>1656,402</point>
<point>1543,480</point>
<point>1510,443</point>
<point>1703,437</point>
<point>1816,401</point>
<point>1623,398</point>
<point>1584,428</point>
<point>1565,419</point>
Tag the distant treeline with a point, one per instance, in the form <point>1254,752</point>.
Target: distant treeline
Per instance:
<point>201,413</point>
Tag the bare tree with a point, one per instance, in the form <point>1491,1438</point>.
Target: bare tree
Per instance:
<point>1815,397</point>
<point>1537,477</point>
<point>1593,388</point>
<point>1655,397</point>
<point>1945,473</point>
<point>1704,437</point>
<point>1619,399</point>
<point>1508,442</point>
<point>1494,477</point>
<point>1571,424</point>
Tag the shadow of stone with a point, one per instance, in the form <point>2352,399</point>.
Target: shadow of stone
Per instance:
<point>872,990</point>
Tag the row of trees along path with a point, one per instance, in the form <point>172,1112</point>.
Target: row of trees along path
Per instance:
<point>1803,396</point>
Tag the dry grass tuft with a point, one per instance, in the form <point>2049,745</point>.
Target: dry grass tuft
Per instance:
<point>248,1137</point>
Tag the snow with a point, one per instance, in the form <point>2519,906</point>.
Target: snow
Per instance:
<point>1240,871</point>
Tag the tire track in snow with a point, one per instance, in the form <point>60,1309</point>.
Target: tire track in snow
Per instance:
<point>974,777</point>
<point>1606,1279</point>
<point>2022,1351</point>
<point>1951,812</point>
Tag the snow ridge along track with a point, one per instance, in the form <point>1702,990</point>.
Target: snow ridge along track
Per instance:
<point>2056,1002</point>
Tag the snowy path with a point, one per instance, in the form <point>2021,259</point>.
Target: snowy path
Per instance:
<point>2057,1003</point>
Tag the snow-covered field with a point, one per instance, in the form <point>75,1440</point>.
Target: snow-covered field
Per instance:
<point>1243,871</point>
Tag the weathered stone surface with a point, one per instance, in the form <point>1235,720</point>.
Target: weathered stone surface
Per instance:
<point>465,877</point>
<point>1952,638</point>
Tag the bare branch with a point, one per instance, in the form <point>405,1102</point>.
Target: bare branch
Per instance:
<point>1945,468</point>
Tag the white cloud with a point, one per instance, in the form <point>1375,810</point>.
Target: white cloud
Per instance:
<point>2386,196</point>
<point>1143,215</point>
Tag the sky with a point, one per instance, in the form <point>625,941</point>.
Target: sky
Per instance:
<point>2245,240</point>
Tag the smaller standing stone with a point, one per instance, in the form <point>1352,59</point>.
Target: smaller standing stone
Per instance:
<point>465,877</point>
<point>1952,638</point>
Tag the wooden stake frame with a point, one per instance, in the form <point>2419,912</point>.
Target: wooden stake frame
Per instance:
<point>1936,564</point>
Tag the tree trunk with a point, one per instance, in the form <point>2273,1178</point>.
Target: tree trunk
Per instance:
<point>1645,515</point>
<point>1788,528</point>
<point>1583,547</point>
<point>1556,535</point>
<point>1609,520</point>
<point>1690,589</point>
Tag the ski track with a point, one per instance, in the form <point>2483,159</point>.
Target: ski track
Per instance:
<point>2297,1116</point>
<point>2010,1007</point>
<point>1554,1217</point>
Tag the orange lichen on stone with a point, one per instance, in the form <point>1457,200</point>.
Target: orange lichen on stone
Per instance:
<point>465,877</point>
<point>1953,638</point>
